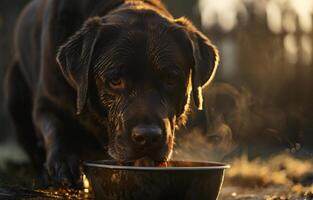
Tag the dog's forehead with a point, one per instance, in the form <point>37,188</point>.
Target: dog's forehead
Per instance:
<point>144,39</point>
<point>145,46</point>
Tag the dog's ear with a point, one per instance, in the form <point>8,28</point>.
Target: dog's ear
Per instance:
<point>205,57</point>
<point>74,58</point>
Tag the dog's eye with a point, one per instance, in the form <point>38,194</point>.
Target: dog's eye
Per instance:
<point>117,83</point>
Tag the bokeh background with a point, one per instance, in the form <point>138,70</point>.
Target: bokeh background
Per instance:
<point>262,99</point>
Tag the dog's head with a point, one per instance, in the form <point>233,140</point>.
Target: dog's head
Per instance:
<point>135,69</point>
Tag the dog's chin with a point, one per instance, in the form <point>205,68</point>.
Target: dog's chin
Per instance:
<point>146,162</point>
<point>141,159</point>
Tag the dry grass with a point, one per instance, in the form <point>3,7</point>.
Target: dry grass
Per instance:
<point>282,177</point>
<point>279,170</point>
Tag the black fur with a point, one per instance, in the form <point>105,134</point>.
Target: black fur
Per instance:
<point>68,55</point>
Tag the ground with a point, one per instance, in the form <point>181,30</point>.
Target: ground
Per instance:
<point>279,177</point>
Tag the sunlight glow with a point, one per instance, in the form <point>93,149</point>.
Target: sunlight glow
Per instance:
<point>306,44</point>
<point>85,182</point>
<point>291,48</point>
<point>292,19</point>
<point>289,22</point>
<point>274,17</point>
<point>279,13</point>
<point>222,12</point>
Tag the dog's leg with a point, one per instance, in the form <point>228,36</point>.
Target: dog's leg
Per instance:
<point>67,142</point>
<point>64,141</point>
<point>19,105</point>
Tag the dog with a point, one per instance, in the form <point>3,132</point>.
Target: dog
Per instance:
<point>110,78</point>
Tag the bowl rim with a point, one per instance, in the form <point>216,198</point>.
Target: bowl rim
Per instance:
<point>105,164</point>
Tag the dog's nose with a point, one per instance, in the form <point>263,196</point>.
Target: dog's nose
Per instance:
<point>145,135</point>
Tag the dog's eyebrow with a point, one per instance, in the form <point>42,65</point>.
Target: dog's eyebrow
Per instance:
<point>112,68</point>
<point>108,61</point>
<point>117,53</point>
<point>171,70</point>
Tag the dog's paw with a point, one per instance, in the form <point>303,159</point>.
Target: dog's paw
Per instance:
<point>64,169</point>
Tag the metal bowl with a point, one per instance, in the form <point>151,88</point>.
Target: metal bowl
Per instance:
<point>176,180</point>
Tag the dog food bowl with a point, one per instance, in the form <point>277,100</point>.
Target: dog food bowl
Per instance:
<point>165,181</point>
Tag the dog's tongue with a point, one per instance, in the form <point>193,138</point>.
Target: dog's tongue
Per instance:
<point>147,162</point>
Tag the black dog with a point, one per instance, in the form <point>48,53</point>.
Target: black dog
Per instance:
<point>94,73</point>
